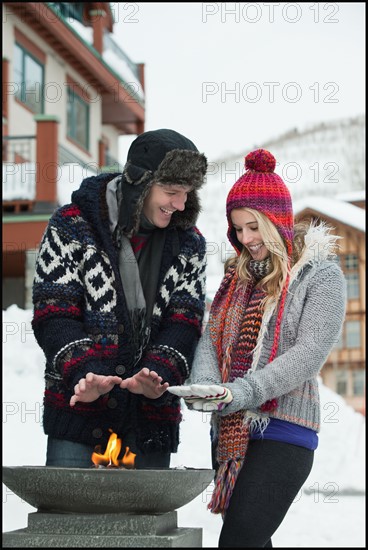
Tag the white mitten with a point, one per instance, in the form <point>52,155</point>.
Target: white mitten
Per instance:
<point>181,391</point>
<point>203,397</point>
<point>205,405</point>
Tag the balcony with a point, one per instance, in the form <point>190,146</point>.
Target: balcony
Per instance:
<point>21,171</point>
<point>129,72</point>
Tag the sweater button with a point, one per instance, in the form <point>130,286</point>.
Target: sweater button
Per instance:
<point>120,369</point>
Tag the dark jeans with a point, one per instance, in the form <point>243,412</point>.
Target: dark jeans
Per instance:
<point>68,454</point>
<point>270,479</point>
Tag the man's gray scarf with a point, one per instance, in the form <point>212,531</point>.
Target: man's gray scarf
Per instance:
<point>139,299</point>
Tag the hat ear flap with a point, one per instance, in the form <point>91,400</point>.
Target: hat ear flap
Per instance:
<point>188,217</point>
<point>136,175</point>
<point>134,188</point>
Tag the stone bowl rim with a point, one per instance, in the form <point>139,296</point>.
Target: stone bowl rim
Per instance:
<point>168,471</point>
<point>113,503</point>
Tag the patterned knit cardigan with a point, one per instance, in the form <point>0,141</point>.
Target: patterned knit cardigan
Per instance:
<point>82,324</point>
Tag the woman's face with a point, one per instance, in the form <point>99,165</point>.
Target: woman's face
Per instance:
<point>248,234</point>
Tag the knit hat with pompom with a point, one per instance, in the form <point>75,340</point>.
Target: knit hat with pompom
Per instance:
<point>262,190</point>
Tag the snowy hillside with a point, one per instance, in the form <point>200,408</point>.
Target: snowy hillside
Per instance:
<point>325,160</point>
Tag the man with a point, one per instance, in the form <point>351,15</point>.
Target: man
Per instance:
<point>119,302</point>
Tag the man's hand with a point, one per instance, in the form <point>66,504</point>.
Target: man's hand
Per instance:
<point>204,397</point>
<point>92,387</point>
<point>145,382</point>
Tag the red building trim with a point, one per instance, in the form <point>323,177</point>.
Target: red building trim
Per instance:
<point>29,46</point>
<point>78,89</point>
<point>5,91</point>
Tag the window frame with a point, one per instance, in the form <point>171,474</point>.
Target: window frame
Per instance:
<point>72,118</point>
<point>22,96</point>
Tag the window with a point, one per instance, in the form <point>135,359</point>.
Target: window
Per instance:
<point>28,79</point>
<point>350,266</point>
<point>351,261</point>
<point>352,282</point>
<point>341,382</point>
<point>78,119</point>
<point>358,382</point>
<point>352,334</point>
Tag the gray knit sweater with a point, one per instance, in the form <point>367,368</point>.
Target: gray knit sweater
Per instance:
<point>312,322</point>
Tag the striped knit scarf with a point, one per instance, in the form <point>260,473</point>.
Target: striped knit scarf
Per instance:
<point>235,321</point>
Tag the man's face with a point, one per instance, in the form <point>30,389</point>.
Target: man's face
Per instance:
<point>162,201</point>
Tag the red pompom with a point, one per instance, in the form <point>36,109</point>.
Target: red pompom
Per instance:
<point>260,161</point>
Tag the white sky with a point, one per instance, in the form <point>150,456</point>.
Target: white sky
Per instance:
<point>229,83</point>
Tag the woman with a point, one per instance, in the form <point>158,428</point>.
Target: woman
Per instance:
<point>277,314</point>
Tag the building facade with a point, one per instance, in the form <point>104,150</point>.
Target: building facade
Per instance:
<point>69,92</point>
<point>344,371</point>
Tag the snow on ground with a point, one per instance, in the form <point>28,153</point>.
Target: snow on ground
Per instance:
<point>329,512</point>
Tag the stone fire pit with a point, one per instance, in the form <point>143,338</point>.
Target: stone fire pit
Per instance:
<point>105,507</point>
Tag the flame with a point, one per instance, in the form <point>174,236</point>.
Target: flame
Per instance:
<point>128,459</point>
<point>110,457</point>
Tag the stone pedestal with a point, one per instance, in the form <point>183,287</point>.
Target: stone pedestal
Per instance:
<point>53,530</point>
<point>90,508</point>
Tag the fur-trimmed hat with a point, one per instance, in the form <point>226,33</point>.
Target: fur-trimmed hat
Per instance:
<point>166,157</point>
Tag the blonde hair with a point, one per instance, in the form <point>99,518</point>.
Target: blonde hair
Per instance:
<point>274,281</point>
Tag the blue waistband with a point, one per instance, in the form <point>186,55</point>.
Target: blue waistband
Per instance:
<point>287,432</point>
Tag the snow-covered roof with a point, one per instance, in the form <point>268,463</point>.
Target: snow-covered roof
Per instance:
<point>333,208</point>
<point>85,32</point>
<point>349,196</point>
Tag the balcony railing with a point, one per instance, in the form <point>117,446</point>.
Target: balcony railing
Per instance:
<point>123,66</point>
<point>67,157</point>
<point>110,44</point>
<point>19,168</point>
<point>19,149</point>
<point>20,171</point>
